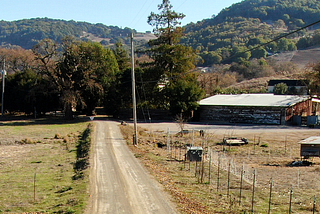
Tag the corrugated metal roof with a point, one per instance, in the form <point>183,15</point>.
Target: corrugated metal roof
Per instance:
<point>311,140</point>
<point>270,100</point>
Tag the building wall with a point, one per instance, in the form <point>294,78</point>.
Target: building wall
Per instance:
<point>310,150</point>
<point>242,114</point>
<point>300,109</point>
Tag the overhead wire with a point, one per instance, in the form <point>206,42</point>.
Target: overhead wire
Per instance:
<point>251,49</point>
<point>181,4</point>
<point>145,97</point>
<point>138,14</point>
<point>273,40</point>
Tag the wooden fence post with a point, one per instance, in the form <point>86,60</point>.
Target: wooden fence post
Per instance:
<point>253,188</point>
<point>314,204</point>
<point>34,186</point>
<point>241,182</point>
<point>218,181</point>
<point>270,195</point>
<point>228,191</point>
<point>290,201</point>
<point>210,166</point>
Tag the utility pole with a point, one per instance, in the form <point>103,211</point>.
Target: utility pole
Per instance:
<point>3,81</point>
<point>135,133</point>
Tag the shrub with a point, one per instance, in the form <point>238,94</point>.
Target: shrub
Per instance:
<point>83,149</point>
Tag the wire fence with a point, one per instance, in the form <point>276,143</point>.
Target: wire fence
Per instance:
<point>242,184</point>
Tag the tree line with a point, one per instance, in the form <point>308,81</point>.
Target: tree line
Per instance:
<point>220,39</point>
<point>74,75</point>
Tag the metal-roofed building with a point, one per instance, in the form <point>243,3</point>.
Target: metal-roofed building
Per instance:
<point>294,86</point>
<point>255,108</point>
<point>310,147</point>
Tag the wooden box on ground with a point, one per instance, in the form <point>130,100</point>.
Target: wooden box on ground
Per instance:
<point>194,153</point>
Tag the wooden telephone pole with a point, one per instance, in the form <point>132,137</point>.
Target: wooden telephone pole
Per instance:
<point>4,73</point>
<point>135,133</point>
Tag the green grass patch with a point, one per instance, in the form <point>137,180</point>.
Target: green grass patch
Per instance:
<point>37,177</point>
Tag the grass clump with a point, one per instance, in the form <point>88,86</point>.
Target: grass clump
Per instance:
<point>28,141</point>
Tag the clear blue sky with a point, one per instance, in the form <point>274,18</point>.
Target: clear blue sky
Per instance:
<point>121,13</point>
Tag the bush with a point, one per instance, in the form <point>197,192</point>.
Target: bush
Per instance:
<point>83,149</point>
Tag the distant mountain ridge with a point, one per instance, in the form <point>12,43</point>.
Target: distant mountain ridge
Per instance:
<point>28,32</point>
<point>217,40</point>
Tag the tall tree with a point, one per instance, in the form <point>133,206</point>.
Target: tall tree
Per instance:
<point>119,94</point>
<point>171,60</point>
<point>122,56</point>
<point>82,72</point>
<point>166,23</point>
<point>98,69</point>
<point>30,92</point>
<point>183,95</point>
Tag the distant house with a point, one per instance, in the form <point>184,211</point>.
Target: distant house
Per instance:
<point>204,69</point>
<point>294,86</point>
<point>256,108</point>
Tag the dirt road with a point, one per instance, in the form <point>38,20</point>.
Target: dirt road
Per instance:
<point>119,184</point>
<point>223,129</point>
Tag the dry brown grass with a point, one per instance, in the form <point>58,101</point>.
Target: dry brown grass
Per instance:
<point>271,160</point>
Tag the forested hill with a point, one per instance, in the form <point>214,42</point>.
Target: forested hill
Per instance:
<point>253,22</point>
<point>28,32</point>
<point>306,10</point>
<point>225,38</point>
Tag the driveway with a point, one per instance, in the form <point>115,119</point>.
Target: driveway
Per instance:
<point>118,182</point>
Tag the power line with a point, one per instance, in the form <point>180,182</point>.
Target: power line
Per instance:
<point>181,4</point>
<point>273,40</point>
<point>258,46</point>
<point>138,14</point>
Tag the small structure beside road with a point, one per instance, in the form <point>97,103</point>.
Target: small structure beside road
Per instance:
<point>232,141</point>
<point>194,153</point>
<point>310,147</point>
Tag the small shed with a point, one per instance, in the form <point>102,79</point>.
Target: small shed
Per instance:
<point>310,147</point>
<point>194,153</point>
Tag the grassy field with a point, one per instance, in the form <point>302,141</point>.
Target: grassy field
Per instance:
<point>36,167</point>
<point>269,154</point>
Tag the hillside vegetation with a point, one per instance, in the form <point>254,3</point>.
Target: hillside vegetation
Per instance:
<point>225,38</point>
<point>238,45</point>
<point>230,36</point>
<point>28,32</point>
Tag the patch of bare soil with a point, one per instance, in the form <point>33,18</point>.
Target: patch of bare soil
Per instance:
<point>305,57</point>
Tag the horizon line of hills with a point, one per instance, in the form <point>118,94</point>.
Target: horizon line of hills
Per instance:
<point>234,30</point>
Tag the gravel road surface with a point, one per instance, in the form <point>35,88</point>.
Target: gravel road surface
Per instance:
<point>118,182</point>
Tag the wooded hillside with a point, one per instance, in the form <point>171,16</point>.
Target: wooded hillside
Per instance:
<point>224,38</point>
<point>28,32</point>
<point>250,23</point>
